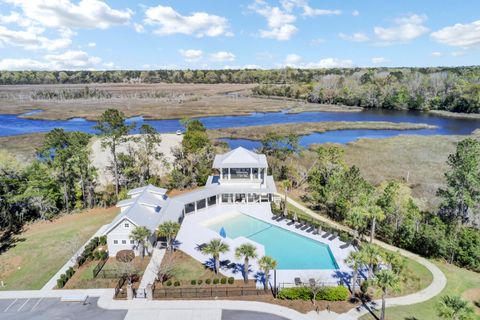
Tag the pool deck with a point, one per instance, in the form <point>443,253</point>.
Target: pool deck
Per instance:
<point>195,232</point>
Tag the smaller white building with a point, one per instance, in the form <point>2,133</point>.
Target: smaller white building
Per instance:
<point>144,208</point>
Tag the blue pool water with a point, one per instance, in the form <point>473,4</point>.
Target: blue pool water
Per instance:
<point>292,251</point>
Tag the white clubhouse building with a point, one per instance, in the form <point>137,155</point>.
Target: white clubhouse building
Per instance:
<point>242,179</point>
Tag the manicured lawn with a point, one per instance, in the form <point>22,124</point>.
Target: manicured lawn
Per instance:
<point>459,281</point>
<point>187,268</point>
<point>45,246</point>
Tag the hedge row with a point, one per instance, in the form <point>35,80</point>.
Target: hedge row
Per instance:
<point>230,280</point>
<point>339,293</point>
<point>89,252</point>
<point>65,277</point>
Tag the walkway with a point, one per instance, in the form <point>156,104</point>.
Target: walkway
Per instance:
<point>150,274</point>
<point>438,283</point>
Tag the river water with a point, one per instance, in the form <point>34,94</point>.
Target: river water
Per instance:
<point>15,125</point>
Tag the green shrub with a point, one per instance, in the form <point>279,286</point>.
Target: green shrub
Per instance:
<point>70,272</point>
<point>177,284</point>
<point>169,283</point>
<point>231,280</point>
<point>223,280</point>
<point>102,240</point>
<point>60,283</point>
<point>339,293</point>
<point>208,281</point>
<point>193,282</point>
<point>200,281</point>
<point>216,281</point>
<point>297,293</point>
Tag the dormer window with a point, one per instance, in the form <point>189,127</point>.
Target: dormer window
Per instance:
<point>127,225</point>
<point>157,209</point>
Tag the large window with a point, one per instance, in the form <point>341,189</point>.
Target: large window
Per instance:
<point>225,173</point>
<point>227,198</point>
<point>212,201</point>
<point>201,204</point>
<point>240,173</point>
<point>190,207</point>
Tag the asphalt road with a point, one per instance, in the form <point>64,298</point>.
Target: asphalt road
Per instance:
<point>248,315</point>
<point>54,309</point>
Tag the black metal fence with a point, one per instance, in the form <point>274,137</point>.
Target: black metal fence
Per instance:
<point>99,267</point>
<point>206,292</point>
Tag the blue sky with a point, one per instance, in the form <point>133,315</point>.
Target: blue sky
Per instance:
<point>122,34</point>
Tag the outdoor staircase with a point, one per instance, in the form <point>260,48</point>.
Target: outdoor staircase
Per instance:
<point>151,272</point>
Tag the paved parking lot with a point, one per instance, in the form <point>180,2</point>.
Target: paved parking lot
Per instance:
<point>54,309</point>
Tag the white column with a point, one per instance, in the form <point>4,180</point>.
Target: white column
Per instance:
<point>221,173</point>
<point>251,173</point>
<point>229,175</point>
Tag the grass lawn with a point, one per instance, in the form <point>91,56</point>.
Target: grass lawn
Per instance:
<point>44,247</point>
<point>187,268</point>
<point>459,281</point>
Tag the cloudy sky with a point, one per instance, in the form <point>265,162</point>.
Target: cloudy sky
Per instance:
<point>128,34</point>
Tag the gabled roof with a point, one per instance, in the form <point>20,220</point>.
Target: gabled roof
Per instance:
<point>144,208</point>
<point>240,158</point>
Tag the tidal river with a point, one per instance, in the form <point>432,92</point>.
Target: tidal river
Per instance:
<point>15,125</point>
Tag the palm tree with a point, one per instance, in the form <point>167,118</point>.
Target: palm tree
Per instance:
<point>372,257</point>
<point>168,230</point>
<point>266,264</point>
<point>247,251</point>
<point>356,219</point>
<point>375,213</point>
<point>387,281</point>
<point>214,248</point>
<point>287,185</point>
<point>355,260</point>
<point>454,308</point>
<point>140,235</point>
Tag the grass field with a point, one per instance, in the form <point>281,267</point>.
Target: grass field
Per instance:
<point>459,282</point>
<point>45,246</point>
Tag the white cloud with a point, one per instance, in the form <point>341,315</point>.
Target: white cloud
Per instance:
<point>279,22</point>
<point>292,59</point>
<point>247,66</point>
<point>436,54</point>
<point>406,28</point>
<point>458,53</point>
<point>92,44</point>
<point>109,65</point>
<point>31,39</point>
<point>69,60</point>
<point>89,14</point>
<point>459,35</point>
<point>191,55</point>
<point>355,13</point>
<point>355,37</point>
<point>323,63</point>
<point>222,56</point>
<point>308,11</point>
<point>14,18</point>
<point>331,63</point>
<point>138,27</point>
<point>311,12</point>
<point>199,24</point>
<point>379,60</point>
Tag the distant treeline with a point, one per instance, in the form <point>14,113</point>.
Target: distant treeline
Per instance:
<point>453,89</point>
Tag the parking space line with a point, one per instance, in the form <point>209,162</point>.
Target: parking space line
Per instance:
<point>36,304</point>
<point>11,304</point>
<point>23,305</point>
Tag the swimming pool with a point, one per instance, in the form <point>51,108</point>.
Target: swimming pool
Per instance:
<point>292,251</point>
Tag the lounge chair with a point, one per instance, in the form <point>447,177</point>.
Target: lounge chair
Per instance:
<point>298,282</point>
